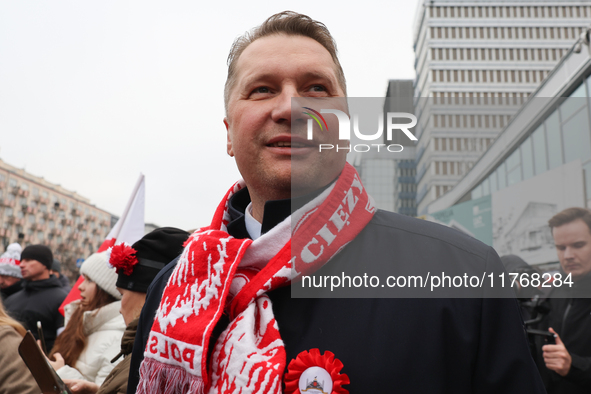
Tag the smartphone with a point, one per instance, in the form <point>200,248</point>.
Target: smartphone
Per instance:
<point>41,337</point>
<point>549,338</point>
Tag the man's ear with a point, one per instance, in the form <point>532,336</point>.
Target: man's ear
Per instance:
<point>229,142</point>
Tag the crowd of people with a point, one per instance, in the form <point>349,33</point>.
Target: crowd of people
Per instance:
<point>212,311</point>
<point>96,337</point>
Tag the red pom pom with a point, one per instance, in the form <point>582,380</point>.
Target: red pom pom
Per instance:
<point>123,258</point>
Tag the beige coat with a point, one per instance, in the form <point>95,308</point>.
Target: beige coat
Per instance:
<point>116,382</point>
<point>104,328</point>
<point>15,377</point>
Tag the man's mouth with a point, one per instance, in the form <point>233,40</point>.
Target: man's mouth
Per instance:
<point>288,144</point>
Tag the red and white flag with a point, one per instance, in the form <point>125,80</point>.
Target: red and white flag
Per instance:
<point>130,226</point>
<point>129,229</point>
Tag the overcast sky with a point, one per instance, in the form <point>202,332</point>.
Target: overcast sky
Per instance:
<point>94,92</point>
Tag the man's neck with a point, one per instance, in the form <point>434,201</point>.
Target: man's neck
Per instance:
<point>41,276</point>
<point>274,211</point>
<point>258,203</point>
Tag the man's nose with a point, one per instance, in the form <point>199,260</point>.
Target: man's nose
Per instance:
<point>282,109</point>
<point>569,253</point>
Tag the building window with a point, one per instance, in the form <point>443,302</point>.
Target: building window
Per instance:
<point>539,147</point>
<point>575,132</point>
<point>527,159</point>
<point>477,192</point>
<point>493,182</point>
<point>485,187</point>
<point>513,163</point>
<point>554,141</point>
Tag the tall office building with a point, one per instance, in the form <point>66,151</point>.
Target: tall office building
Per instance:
<point>390,177</point>
<point>399,98</point>
<point>476,63</point>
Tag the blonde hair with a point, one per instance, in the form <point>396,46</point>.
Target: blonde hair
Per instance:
<point>9,321</point>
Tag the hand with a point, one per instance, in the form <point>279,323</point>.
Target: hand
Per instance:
<point>41,346</point>
<point>78,386</point>
<point>58,363</point>
<point>556,357</point>
<point>59,360</point>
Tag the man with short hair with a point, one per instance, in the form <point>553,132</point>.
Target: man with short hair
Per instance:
<point>41,295</point>
<point>227,321</point>
<point>570,314</point>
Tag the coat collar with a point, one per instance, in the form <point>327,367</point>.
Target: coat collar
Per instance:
<point>105,318</point>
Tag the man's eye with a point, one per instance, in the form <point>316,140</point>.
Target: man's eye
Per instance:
<point>318,88</point>
<point>262,90</point>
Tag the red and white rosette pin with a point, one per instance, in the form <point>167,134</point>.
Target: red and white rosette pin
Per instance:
<point>313,373</point>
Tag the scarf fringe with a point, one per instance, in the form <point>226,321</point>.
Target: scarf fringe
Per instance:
<point>167,379</point>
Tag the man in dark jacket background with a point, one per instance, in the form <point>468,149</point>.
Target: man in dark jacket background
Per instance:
<point>41,296</point>
<point>568,362</point>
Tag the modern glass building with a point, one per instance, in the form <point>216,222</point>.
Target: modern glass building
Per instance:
<point>539,164</point>
<point>562,136</point>
<point>481,50</point>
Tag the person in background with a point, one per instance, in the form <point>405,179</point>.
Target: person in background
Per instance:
<point>15,377</point>
<point>516,265</point>
<point>41,295</point>
<point>136,267</point>
<point>56,270</point>
<point>568,362</point>
<point>94,326</point>
<point>10,271</point>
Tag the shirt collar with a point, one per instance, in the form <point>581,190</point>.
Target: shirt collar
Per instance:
<point>253,226</point>
<point>275,212</point>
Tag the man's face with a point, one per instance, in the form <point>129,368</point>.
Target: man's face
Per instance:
<point>270,155</point>
<point>7,281</point>
<point>131,304</point>
<point>33,270</point>
<point>573,245</point>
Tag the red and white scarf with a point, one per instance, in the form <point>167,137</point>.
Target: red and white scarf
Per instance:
<point>217,273</point>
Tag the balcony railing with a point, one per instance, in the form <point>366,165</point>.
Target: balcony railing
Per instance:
<point>8,203</point>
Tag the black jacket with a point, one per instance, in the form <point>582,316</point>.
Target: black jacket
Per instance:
<point>570,317</point>
<point>396,345</point>
<point>39,301</point>
<point>10,290</point>
<point>65,283</point>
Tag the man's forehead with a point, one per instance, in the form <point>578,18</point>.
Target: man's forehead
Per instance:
<point>577,229</point>
<point>282,49</point>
